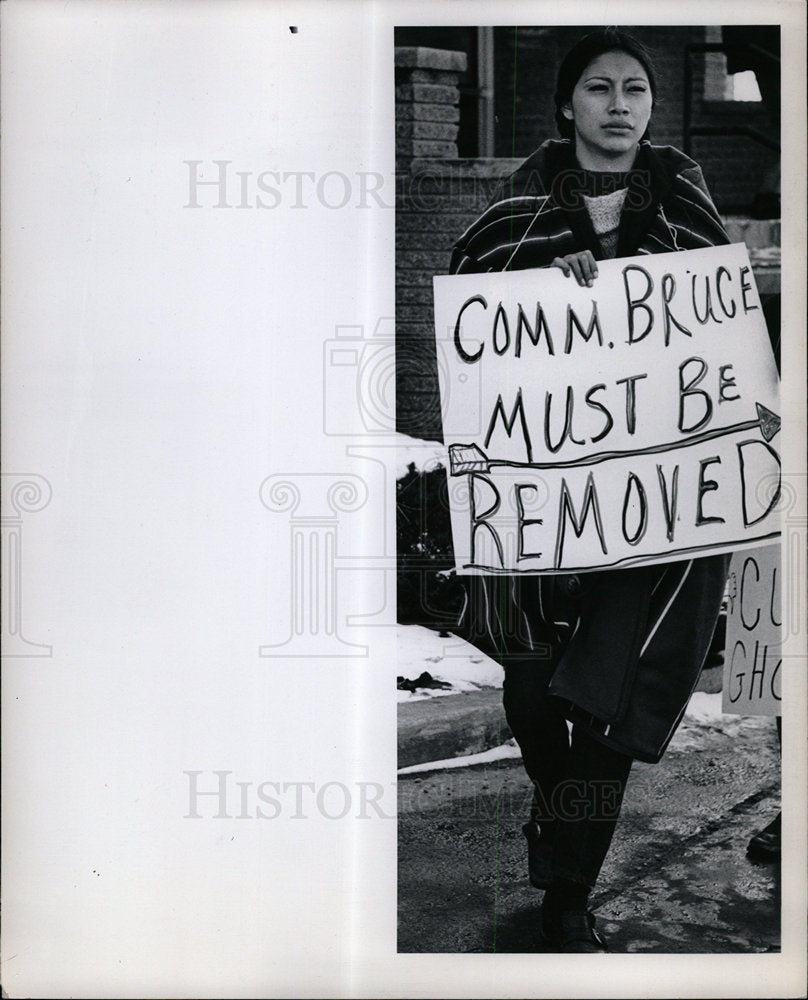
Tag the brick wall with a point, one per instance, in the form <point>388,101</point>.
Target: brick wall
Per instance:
<point>435,202</point>
<point>436,199</point>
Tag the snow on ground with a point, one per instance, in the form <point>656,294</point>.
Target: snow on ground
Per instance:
<point>507,751</point>
<point>706,709</point>
<point>467,669</point>
<point>704,712</point>
<point>450,659</point>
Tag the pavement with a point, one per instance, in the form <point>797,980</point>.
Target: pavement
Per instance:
<point>677,879</point>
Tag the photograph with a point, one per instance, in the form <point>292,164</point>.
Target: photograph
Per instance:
<point>589,757</point>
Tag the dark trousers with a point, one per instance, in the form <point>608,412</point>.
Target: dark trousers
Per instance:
<point>578,782</point>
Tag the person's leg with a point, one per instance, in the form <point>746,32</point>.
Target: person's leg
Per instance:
<point>539,729</point>
<point>542,734</point>
<point>506,618</point>
<point>587,806</point>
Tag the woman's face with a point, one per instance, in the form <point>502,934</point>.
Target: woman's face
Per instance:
<point>610,109</point>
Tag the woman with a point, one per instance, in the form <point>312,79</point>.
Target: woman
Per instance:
<point>619,652</point>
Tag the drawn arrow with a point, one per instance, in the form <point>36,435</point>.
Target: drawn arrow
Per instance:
<point>464,458</point>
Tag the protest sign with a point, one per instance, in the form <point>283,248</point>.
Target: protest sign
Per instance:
<point>631,422</point>
<point>753,657</point>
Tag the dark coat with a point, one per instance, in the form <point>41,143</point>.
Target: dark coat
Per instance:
<point>629,644</point>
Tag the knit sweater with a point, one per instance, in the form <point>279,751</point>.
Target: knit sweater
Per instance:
<point>604,212</point>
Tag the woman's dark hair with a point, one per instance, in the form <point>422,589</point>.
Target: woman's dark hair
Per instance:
<point>581,55</point>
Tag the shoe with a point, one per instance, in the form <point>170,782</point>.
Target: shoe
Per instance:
<point>539,856</point>
<point>766,845</point>
<point>571,932</point>
<point>578,934</point>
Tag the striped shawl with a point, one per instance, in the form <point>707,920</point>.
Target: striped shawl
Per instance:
<point>539,213</point>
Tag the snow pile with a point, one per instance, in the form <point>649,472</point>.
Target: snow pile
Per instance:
<point>704,714</point>
<point>449,659</point>
<point>705,709</point>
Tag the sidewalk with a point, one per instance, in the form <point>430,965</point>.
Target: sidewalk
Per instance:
<point>677,879</point>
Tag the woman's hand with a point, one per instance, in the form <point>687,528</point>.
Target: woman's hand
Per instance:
<point>582,265</point>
